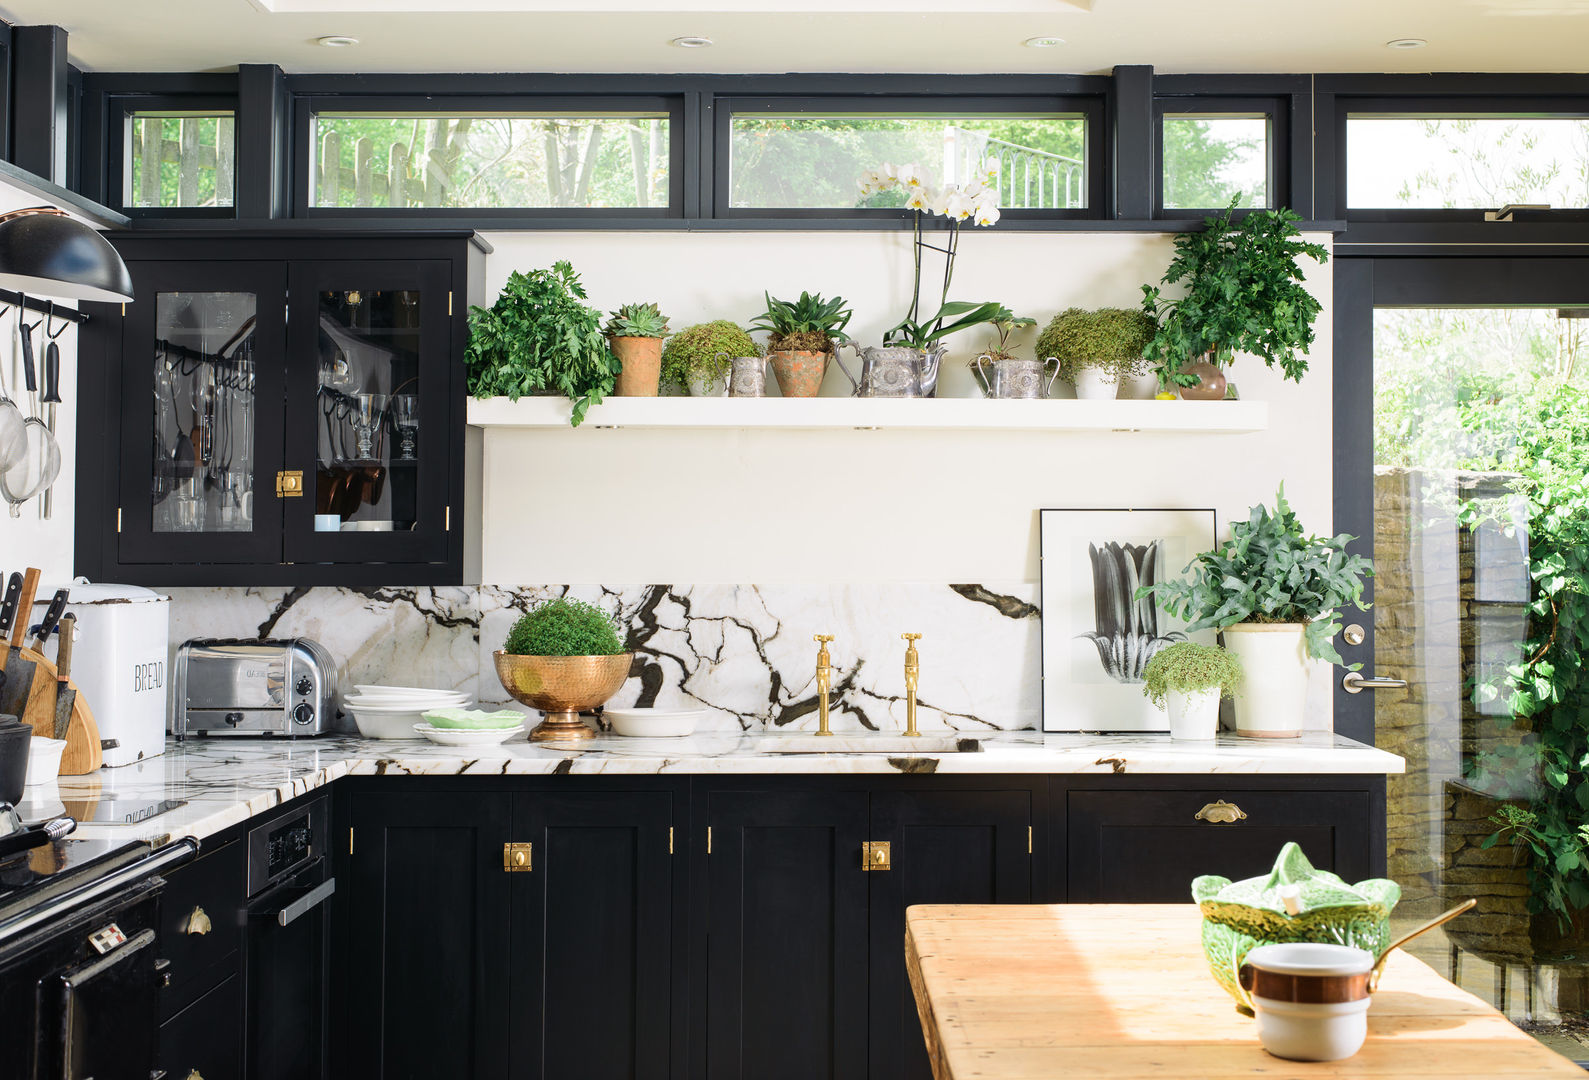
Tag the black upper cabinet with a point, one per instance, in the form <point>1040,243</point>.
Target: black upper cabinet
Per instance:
<point>277,408</point>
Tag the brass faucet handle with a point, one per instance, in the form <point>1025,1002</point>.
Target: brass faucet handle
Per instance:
<point>911,637</point>
<point>823,638</point>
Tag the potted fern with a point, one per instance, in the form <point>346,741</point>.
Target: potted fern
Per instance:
<point>1187,680</point>
<point>1276,595</point>
<point>699,357</point>
<point>1096,350</point>
<point>635,332</point>
<point>801,336</point>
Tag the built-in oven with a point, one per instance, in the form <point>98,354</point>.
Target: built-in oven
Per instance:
<point>289,936</point>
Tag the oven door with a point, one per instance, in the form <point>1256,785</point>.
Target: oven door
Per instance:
<point>110,1012</point>
<point>289,934</point>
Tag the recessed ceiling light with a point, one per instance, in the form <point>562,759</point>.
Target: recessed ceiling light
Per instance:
<point>336,41</point>
<point>691,41</point>
<point>1406,43</point>
<point>1042,42</point>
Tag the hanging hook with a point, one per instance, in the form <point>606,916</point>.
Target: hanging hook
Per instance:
<point>50,315</point>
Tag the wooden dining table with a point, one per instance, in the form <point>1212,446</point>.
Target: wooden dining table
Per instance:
<point>1122,991</point>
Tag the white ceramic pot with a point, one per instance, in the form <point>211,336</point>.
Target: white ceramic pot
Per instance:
<point>708,385</point>
<point>1097,384</point>
<point>1274,678</point>
<point>1310,1030</point>
<point>1194,714</point>
<point>1140,387</point>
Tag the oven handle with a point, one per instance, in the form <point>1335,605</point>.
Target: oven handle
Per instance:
<point>293,911</point>
<point>77,978</point>
<point>171,855</point>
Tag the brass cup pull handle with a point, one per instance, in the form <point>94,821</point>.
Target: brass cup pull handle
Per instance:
<point>1221,813</point>
<point>197,922</point>
<point>194,1074</point>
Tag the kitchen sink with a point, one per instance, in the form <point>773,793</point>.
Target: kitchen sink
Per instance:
<point>892,745</point>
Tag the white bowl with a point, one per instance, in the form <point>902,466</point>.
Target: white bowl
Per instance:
<point>407,693</point>
<point>468,736</point>
<point>387,723</point>
<point>397,704</point>
<point>44,760</point>
<point>653,723</point>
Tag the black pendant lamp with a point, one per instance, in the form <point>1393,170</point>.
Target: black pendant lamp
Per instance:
<point>43,252</point>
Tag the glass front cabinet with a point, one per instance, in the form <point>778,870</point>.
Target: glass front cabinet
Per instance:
<point>278,409</point>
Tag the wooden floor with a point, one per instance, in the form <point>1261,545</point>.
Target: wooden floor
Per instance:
<point>1123,992</point>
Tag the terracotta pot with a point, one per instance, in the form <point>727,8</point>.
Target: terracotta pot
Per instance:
<point>1210,385</point>
<point>799,371</point>
<point>641,358</point>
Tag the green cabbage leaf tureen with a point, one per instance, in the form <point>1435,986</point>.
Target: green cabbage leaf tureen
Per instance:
<point>1293,902</point>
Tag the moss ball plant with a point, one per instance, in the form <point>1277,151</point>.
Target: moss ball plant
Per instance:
<point>704,350</point>
<point>1111,338</point>
<point>1189,667</point>
<point>564,627</point>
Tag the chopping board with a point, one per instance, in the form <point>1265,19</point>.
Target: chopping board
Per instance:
<point>83,754</point>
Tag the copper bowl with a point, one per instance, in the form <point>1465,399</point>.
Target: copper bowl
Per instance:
<point>562,686</point>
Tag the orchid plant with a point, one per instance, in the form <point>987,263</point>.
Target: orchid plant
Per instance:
<point>976,201</point>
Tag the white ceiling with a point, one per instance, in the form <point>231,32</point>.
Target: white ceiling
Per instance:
<point>819,35</point>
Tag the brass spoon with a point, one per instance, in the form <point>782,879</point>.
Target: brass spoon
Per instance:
<point>1445,917</point>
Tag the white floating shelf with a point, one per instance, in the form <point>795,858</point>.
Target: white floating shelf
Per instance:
<point>1170,417</point>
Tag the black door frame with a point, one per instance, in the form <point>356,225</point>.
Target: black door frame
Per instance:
<point>1503,277</point>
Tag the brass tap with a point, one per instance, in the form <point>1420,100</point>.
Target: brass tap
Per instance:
<point>824,682</point>
<point>912,677</point>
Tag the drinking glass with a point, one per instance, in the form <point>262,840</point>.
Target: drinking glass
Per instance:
<point>405,418</point>
<point>367,418</point>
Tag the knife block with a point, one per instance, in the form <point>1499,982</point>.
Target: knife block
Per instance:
<point>83,753</point>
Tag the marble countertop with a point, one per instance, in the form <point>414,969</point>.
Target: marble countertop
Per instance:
<point>227,781</point>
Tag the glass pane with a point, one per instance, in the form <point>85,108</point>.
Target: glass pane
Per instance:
<point>805,161</point>
<point>370,440</point>
<point>1210,160</point>
<point>181,159</point>
<point>203,463</point>
<point>1437,162</point>
<point>1481,515</point>
<point>491,161</point>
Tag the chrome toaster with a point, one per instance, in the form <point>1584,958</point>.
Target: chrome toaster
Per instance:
<point>285,688</point>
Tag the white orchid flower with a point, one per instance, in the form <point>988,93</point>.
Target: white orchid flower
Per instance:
<point>986,214</point>
<point>912,176</point>
<point>988,197</point>
<point>938,201</point>
<point>958,207</point>
<point>869,181</point>
<point>920,199</point>
<point>974,190</point>
<point>990,169</point>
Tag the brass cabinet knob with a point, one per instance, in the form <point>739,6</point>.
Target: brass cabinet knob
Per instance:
<point>194,1074</point>
<point>197,922</point>
<point>519,858</point>
<point>1221,812</point>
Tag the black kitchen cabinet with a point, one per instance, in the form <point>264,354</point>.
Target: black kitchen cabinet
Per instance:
<point>203,915</point>
<point>277,408</point>
<point>203,1039</point>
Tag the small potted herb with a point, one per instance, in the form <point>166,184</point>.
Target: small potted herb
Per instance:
<point>801,336</point>
<point>540,338</point>
<point>1187,680</point>
<point>1002,373</point>
<point>562,657</point>
<point>699,357</point>
<point>636,332</point>
<point>1096,350</point>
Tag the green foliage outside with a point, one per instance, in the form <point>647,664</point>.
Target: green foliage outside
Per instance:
<point>1188,667</point>
<point>564,627</point>
<point>705,350</point>
<point>183,180</point>
<point>1111,338</point>
<point>1204,166</point>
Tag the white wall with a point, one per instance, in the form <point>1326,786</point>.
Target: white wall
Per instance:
<point>592,506</point>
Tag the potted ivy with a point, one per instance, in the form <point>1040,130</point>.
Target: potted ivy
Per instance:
<point>1187,680</point>
<point>562,657</point>
<point>699,357</point>
<point>1095,350</point>
<point>1244,293</point>
<point>801,337</point>
<point>1276,594</point>
<point>635,332</point>
<point>540,338</point>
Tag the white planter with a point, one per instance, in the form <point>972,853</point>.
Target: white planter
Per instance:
<point>1097,384</point>
<point>1194,714</point>
<point>1274,672</point>
<point>1140,387</point>
<point>708,386</point>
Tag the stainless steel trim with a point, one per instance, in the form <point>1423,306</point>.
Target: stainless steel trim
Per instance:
<point>306,903</point>
<point>172,855</point>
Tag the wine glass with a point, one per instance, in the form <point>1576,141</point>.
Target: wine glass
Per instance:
<point>369,412</point>
<point>405,418</point>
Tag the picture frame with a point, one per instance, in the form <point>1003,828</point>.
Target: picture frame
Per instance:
<point>1096,637</point>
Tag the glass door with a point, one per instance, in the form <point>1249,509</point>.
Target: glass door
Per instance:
<point>1463,458</point>
<point>367,411</point>
<point>201,434</point>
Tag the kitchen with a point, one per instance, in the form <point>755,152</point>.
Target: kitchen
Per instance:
<point>846,649</point>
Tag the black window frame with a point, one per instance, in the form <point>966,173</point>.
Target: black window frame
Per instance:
<point>1276,111</point>
<point>1092,108</point>
<point>306,106</point>
<point>118,151</point>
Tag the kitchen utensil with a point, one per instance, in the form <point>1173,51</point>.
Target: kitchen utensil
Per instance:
<point>52,615</point>
<point>37,836</point>
<point>19,672</point>
<point>283,687</point>
<point>653,723</point>
<point>13,441</point>
<point>14,749</point>
<point>475,737</point>
<point>44,760</point>
<point>84,752</point>
<point>65,692</point>
<point>1439,920</point>
<point>8,612</point>
<point>40,461</point>
<point>1311,999</point>
<point>51,398</point>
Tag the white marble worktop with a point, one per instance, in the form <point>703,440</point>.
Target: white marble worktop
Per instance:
<point>226,781</point>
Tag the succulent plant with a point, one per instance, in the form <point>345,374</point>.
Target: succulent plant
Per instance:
<point>810,323</point>
<point>705,349</point>
<point>637,320</point>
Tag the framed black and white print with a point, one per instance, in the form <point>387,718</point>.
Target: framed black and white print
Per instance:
<point>1097,637</point>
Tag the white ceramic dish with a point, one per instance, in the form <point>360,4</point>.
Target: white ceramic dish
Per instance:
<point>468,736</point>
<point>399,704</point>
<point>371,690</point>
<point>387,723</point>
<point>44,760</point>
<point>653,723</point>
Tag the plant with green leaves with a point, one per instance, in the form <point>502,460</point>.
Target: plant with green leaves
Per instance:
<point>809,324</point>
<point>540,338</point>
<point>564,627</point>
<point>1189,667</point>
<point>1271,571</point>
<point>1004,324</point>
<point>1244,293</point>
<point>1108,338</point>
<point>703,351</point>
<point>637,320</point>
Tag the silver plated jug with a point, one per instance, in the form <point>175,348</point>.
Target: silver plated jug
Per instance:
<point>747,376</point>
<point>893,370</point>
<point>1014,377</point>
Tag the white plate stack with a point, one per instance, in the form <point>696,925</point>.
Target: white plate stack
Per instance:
<point>390,712</point>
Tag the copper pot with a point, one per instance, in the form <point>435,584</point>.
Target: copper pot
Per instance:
<point>561,687</point>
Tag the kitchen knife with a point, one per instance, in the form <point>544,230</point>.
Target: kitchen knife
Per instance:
<point>8,612</point>
<point>65,692</point>
<point>19,669</point>
<point>52,615</point>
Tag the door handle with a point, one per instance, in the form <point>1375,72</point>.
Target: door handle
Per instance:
<point>1353,683</point>
<point>306,903</point>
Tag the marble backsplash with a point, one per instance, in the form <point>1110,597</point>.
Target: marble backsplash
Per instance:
<point>744,652</point>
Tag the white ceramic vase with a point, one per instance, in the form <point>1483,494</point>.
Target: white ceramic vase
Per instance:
<point>1193,714</point>
<point>708,385</point>
<point>1140,387</point>
<point>1097,384</point>
<point>1274,678</point>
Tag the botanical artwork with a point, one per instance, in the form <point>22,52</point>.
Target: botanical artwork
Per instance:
<point>1097,636</point>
